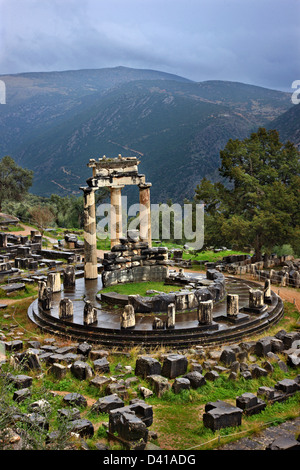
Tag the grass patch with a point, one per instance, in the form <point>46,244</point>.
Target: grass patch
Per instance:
<point>139,288</point>
<point>103,244</point>
<point>210,256</point>
<point>30,290</point>
<point>15,228</point>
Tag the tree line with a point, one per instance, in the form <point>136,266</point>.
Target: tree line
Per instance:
<point>44,212</point>
<point>257,200</point>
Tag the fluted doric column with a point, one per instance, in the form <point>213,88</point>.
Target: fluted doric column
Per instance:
<point>90,239</point>
<point>145,213</point>
<point>115,215</point>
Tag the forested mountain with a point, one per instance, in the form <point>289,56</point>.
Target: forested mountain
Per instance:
<point>54,122</point>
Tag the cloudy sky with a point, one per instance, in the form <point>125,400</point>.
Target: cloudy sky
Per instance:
<point>251,41</point>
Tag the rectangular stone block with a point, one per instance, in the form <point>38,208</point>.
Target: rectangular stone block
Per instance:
<point>220,415</point>
<point>174,365</point>
<point>146,365</point>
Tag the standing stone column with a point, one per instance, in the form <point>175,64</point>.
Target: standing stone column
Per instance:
<point>3,240</point>
<point>256,298</point>
<point>267,291</point>
<point>205,312</point>
<point>128,317</point>
<point>115,215</point>
<point>65,309</point>
<point>44,295</point>
<point>232,305</point>
<point>89,313</point>
<point>171,316</point>
<point>54,281</point>
<point>145,213</point>
<point>69,276</point>
<point>90,240</point>
<point>41,286</point>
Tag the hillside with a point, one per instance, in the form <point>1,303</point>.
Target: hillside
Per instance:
<point>54,122</point>
<point>36,102</point>
<point>288,125</point>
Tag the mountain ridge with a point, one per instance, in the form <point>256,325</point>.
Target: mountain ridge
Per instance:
<point>175,125</point>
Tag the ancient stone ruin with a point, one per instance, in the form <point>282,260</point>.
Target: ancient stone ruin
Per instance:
<point>113,173</point>
<point>200,309</point>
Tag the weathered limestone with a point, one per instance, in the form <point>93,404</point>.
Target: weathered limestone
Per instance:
<point>131,422</point>
<point>174,365</point>
<point>113,173</point>
<point>3,239</point>
<point>158,324</point>
<point>89,313</point>
<point>65,309</point>
<point>145,214</point>
<point>228,356</point>
<point>20,381</point>
<point>115,215</point>
<point>171,316</point>
<point>256,299</point>
<point>220,414</point>
<point>107,404</point>
<point>44,295</point>
<point>54,282</point>
<point>81,370</point>
<point>58,370</point>
<point>128,317</point>
<point>195,378</point>
<point>101,365</point>
<point>90,240</point>
<point>75,399</point>
<point>41,287</point>
<point>205,315</point>
<point>232,305</point>
<point>180,383</point>
<point>146,365</point>
<point>69,276</point>
<point>159,383</point>
<point>267,291</point>
<point>250,403</point>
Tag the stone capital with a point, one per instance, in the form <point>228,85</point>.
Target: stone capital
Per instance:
<point>144,185</point>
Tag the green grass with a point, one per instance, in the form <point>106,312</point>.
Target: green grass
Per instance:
<point>177,418</point>
<point>139,288</point>
<point>205,255</point>
<point>211,256</point>
<point>15,228</point>
<point>29,290</point>
<point>103,244</point>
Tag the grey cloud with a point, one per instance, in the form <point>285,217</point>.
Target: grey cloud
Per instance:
<point>254,41</point>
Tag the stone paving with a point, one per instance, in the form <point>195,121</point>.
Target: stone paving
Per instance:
<point>264,438</point>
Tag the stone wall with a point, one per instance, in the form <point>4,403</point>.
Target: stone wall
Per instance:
<point>134,261</point>
<point>134,274</point>
<point>288,275</point>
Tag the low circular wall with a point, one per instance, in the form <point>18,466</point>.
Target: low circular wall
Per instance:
<point>192,291</point>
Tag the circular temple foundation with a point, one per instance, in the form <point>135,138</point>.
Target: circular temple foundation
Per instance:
<point>187,330</point>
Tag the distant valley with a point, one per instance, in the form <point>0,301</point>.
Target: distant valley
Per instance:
<point>54,122</point>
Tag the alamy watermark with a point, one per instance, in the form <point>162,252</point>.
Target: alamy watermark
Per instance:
<point>295,98</point>
<point>168,222</point>
<point>2,92</point>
